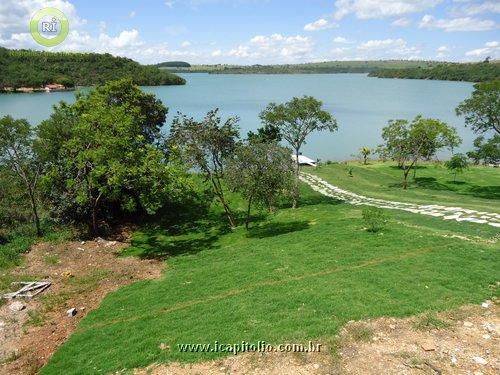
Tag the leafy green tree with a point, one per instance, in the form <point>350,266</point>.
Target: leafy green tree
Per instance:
<point>457,164</point>
<point>207,146</point>
<point>365,152</point>
<point>407,142</point>
<point>488,151</point>
<point>482,109</point>
<point>264,134</point>
<point>103,157</point>
<point>262,172</point>
<point>295,120</point>
<point>17,154</point>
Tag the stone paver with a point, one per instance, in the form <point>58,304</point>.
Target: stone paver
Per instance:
<point>446,213</point>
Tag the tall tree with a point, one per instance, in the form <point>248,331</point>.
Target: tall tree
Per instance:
<point>207,145</point>
<point>261,172</point>
<point>482,109</point>
<point>407,142</point>
<point>295,120</point>
<point>104,157</point>
<point>17,153</point>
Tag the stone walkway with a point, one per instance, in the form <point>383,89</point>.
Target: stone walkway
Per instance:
<point>447,213</point>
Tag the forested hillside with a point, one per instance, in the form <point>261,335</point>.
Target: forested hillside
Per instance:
<point>35,68</point>
<point>473,72</point>
<point>320,67</point>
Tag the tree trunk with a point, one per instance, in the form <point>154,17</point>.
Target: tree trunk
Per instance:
<point>94,220</point>
<point>220,195</point>
<point>247,220</point>
<point>364,159</point>
<point>295,195</point>
<point>36,218</point>
<point>406,171</point>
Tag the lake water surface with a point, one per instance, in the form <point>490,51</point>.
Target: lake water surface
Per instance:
<point>361,105</point>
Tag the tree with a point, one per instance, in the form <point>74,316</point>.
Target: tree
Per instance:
<point>407,142</point>
<point>482,109</point>
<point>17,154</point>
<point>295,120</point>
<point>488,151</point>
<point>261,172</point>
<point>207,146</point>
<point>264,134</point>
<point>104,159</point>
<point>365,152</point>
<point>457,164</point>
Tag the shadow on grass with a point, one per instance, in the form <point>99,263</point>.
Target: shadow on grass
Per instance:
<point>151,244</point>
<point>276,229</point>
<point>460,187</point>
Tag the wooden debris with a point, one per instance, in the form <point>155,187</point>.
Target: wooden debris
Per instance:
<point>29,290</point>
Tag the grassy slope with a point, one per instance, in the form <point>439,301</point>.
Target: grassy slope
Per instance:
<point>477,188</point>
<point>299,275</point>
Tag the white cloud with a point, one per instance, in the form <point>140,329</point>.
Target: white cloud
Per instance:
<point>125,39</point>
<point>185,44</point>
<point>456,24</point>
<point>479,8</point>
<point>341,40</point>
<point>491,49</point>
<point>321,24</point>
<point>379,48</point>
<point>16,14</point>
<point>443,52</point>
<point>401,22</point>
<point>365,9</point>
<point>273,49</point>
<point>240,51</point>
<point>131,14</point>
<point>216,53</point>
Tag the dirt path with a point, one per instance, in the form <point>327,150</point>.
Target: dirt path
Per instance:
<point>81,273</point>
<point>447,213</point>
<point>463,341</point>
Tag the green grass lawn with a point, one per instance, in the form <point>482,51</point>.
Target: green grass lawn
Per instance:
<point>297,275</point>
<point>477,188</point>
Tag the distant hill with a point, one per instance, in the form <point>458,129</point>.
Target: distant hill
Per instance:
<point>173,64</point>
<point>320,67</point>
<point>416,69</point>
<point>471,72</point>
<point>36,68</point>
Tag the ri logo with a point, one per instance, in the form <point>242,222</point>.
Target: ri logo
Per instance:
<point>49,27</point>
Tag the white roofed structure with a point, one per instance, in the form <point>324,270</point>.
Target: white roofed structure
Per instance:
<point>304,160</point>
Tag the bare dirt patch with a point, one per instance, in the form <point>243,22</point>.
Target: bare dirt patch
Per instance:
<point>463,341</point>
<point>251,364</point>
<point>81,273</point>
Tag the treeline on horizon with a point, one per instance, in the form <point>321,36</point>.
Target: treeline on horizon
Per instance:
<point>411,69</point>
<point>27,68</point>
<point>471,72</point>
<point>320,67</point>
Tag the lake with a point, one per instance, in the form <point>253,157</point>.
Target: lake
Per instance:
<point>361,105</point>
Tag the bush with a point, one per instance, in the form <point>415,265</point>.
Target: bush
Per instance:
<point>375,219</point>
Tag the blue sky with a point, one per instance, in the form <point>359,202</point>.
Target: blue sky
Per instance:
<point>268,31</point>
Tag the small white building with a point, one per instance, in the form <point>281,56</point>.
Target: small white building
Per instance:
<point>304,160</point>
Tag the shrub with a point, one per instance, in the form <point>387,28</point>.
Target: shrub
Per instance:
<point>375,219</point>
